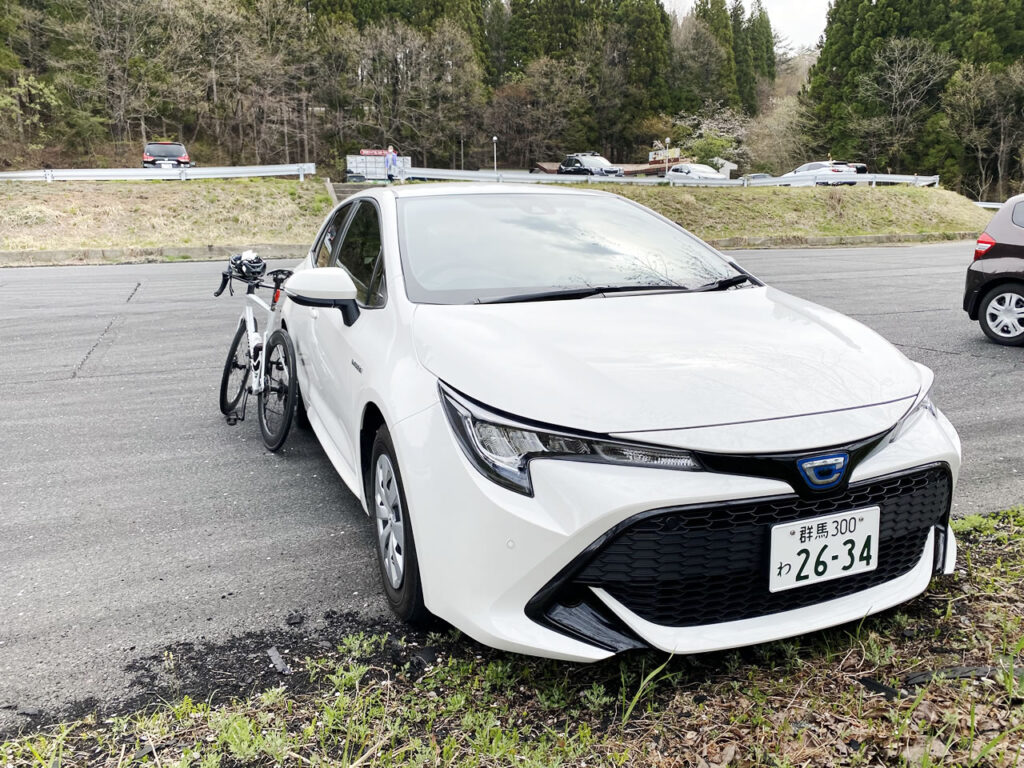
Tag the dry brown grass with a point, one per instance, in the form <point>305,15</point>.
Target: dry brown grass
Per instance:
<point>36,216</point>
<point>811,211</point>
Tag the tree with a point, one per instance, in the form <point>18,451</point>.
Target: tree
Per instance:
<point>902,90</point>
<point>697,63</point>
<point>537,116</point>
<point>417,91</point>
<point>966,101</point>
<point>762,41</point>
<point>746,84</point>
<point>715,15</point>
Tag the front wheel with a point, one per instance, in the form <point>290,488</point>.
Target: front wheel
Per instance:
<point>278,396</point>
<point>1001,314</point>
<point>236,372</point>
<point>396,548</point>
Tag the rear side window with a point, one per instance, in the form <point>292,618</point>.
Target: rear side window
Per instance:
<point>1018,214</point>
<point>361,249</point>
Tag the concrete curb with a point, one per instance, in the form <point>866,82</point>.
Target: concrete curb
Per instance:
<point>145,255</point>
<point>797,241</point>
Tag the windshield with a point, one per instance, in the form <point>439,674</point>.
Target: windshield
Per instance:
<point>164,150</point>
<point>459,249</point>
<point>594,162</point>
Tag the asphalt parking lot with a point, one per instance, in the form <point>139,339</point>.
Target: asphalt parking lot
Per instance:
<point>132,517</point>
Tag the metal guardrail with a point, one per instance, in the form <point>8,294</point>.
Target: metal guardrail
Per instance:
<point>990,206</point>
<point>525,177</point>
<point>169,174</point>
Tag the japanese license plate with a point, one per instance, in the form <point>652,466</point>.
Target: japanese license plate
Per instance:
<point>823,548</point>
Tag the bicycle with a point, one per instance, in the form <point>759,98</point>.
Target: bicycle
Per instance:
<point>265,364</point>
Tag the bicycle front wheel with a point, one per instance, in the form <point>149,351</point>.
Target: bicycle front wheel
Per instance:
<point>236,372</point>
<point>279,393</point>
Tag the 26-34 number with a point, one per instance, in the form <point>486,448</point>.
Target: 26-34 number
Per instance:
<point>821,562</point>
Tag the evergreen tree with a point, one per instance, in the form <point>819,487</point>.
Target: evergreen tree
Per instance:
<point>746,83</point>
<point>715,15</point>
<point>762,41</point>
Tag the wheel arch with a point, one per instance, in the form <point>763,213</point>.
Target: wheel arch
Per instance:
<point>984,289</point>
<point>372,420</point>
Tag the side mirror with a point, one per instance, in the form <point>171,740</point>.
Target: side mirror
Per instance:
<point>329,287</point>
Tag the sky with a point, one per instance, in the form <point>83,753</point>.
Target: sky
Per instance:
<point>801,21</point>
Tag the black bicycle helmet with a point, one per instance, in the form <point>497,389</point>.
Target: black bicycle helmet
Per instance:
<point>248,265</point>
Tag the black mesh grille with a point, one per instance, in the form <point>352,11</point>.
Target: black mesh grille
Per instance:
<point>704,565</point>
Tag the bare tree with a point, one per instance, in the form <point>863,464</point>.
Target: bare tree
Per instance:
<point>775,138</point>
<point>967,100</point>
<point>903,84</point>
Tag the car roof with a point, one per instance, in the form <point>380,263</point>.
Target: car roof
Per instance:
<point>163,142</point>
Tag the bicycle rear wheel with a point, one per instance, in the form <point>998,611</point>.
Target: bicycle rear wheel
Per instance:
<point>279,393</point>
<point>236,372</point>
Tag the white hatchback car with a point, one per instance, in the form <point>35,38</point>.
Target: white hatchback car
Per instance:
<point>578,429</point>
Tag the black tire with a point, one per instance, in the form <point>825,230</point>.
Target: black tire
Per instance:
<point>1008,297</point>
<point>385,498</point>
<point>236,372</point>
<point>280,387</point>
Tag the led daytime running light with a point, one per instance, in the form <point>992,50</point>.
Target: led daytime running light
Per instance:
<point>502,449</point>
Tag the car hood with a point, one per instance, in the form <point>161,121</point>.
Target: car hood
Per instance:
<point>661,361</point>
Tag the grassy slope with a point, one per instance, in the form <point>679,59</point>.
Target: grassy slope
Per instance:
<point>69,215</point>
<point>843,697</point>
<point>117,214</point>
<point>811,211</point>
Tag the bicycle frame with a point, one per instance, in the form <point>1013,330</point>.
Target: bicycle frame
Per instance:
<point>257,340</point>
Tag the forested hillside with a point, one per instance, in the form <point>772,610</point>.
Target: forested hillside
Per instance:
<point>284,80</point>
<point>919,85</point>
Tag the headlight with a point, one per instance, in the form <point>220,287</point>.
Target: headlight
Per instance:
<point>502,449</point>
<point>923,404</point>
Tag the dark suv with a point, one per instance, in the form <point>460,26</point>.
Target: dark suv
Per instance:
<point>588,164</point>
<point>165,154</point>
<point>994,293</point>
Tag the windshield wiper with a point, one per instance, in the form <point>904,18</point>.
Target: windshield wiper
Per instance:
<point>578,293</point>
<point>723,284</point>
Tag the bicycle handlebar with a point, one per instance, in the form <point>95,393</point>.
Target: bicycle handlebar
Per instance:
<point>225,278</point>
<point>277,275</point>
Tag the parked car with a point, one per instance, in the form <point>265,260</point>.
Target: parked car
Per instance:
<point>165,154</point>
<point>588,164</point>
<point>811,173</point>
<point>694,171</point>
<point>577,429</point>
<point>994,291</point>
<point>757,176</point>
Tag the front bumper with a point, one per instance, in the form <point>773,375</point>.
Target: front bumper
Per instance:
<point>549,575</point>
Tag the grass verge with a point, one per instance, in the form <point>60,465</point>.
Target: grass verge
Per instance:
<point>807,212</point>
<point>65,216</point>
<point>938,681</point>
<point>140,214</point>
